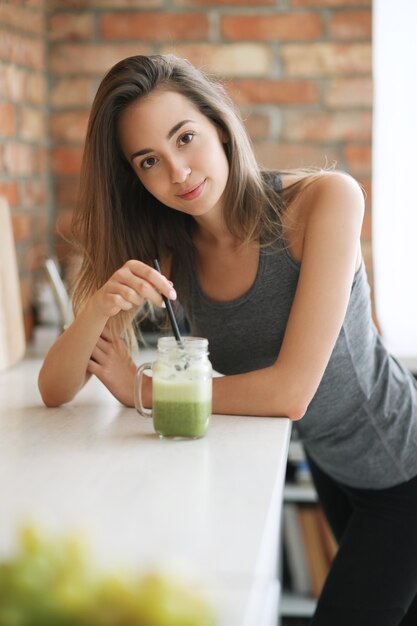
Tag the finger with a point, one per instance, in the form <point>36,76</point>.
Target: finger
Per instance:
<point>160,283</point>
<point>138,291</point>
<point>120,302</point>
<point>98,355</point>
<point>126,291</point>
<point>106,334</point>
<point>135,288</point>
<point>104,345</point>
<point>93,368</point>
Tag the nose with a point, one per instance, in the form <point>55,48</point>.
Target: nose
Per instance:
<point>179,171</point>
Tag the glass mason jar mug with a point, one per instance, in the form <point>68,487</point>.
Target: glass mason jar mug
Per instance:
<point>181,388</point>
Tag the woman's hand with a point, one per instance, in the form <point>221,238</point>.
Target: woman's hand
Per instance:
<point>129,287</point>
<point>112,364</point>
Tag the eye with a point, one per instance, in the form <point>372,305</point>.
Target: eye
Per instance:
<point>147,163</point>
<point>187,138</point>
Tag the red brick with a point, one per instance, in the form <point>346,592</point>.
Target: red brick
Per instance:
<point>18,159</point>
<point>21,224</point>
<point>10,190</point>
<point>322,126</point>
<point>35,90</point>
<point>40,226</point>
<point>7,120</point>
<point>351,25</point>
<point>21,18</point>
<point>21,85</point>
<point>41,160</point>
<point>367,256</point>
<point>262,91</point>
<point>66,160</point>
<point>84,59</point>
<point>71,26</point>
<point>358,158</point>
<point>34,4</point>
<point>285,156</point>
<point>32,124</point>
<point>282,27</point>
<point>63,224</point>
<point>366,184</point>
<point>331,3</point>
<point>109,4</point>
<point>349,93</point>
<point>154,26</point>
<point>69,126</point>
<point>66,189</point>
<point>226,3</point>
<point>257,125</point>
<point>366,233</point>
<point>71,92</point>
<point>22,50</point>
<point>12,80</point>
<point>36,255</point>
<point>326,59</point>
<point>237,59</point>
<point>34,193</point>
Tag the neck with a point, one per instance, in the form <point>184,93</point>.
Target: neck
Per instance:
<point>214,233</point>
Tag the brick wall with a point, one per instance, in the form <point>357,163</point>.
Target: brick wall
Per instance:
<point>300,70</point>
<point>23,136</point>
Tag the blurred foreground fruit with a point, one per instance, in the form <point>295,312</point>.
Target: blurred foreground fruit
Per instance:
<point>50,583</point>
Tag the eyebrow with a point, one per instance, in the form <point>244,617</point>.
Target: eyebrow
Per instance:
<point>170,134</point>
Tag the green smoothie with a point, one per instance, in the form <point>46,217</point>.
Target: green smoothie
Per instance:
<point>181,408</point>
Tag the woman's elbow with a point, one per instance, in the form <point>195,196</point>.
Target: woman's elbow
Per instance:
<point>291,405</point>
<point>297,413</point>
<point>50,395</point>
<point>50,403</point>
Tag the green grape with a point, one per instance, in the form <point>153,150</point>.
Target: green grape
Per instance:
<point>162,602</point>
<point>49,583</point>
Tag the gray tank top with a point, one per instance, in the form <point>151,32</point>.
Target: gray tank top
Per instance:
<point>361,426</point>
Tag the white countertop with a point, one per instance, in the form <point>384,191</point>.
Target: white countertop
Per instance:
<point>209,508</point>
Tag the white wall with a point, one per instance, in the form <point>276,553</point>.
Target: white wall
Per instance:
<point>394,203</point>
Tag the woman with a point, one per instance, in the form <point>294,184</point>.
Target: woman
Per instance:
<point>268,267</point>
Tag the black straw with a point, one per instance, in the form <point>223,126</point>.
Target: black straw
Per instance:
<point>169,308</point>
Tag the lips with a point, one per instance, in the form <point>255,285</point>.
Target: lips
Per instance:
<point>193,192</point>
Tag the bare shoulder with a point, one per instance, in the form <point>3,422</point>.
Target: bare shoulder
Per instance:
<point>338,183</point>
<point>336,197</point>
<point>326,188</point>
<point>319,198</point>
<point>321,179</point>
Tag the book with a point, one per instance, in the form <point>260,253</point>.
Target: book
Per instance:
<point>298,568</point>
<point>329,542</point>
<point>318,564</point>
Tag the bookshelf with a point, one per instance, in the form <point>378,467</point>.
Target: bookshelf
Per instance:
<point>299,493</point>
<point>307,544</point>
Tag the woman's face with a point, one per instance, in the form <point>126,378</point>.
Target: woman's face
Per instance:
<point>177,152</point>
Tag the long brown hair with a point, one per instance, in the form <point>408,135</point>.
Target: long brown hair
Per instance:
<point>116,219</point>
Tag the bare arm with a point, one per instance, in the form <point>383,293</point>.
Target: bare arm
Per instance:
<point>69,362</point>
<point>329,258</point>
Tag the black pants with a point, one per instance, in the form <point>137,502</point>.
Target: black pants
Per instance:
<point>373,579</point>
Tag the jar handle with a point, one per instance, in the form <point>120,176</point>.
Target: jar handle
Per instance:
<point>138,390</point>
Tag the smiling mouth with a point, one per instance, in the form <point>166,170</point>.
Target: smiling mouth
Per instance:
<point>194,192</point>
